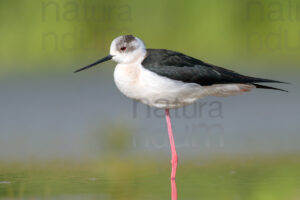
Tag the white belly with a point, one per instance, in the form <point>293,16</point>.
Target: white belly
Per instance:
<point>138,83</point>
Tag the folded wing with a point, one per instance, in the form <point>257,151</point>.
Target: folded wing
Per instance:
<point>177,66</point>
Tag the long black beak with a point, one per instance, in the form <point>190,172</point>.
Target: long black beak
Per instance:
<point>109,57</point>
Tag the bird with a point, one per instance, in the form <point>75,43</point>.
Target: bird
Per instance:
<point>169,79</point>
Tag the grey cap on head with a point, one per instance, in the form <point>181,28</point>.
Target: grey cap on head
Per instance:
<point>126,41</point>
<point>128,38</point>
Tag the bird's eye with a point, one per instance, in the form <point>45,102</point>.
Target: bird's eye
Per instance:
<point>123,48</point>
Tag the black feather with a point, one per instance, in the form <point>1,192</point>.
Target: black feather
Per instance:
<point>177,66</point>
<point>268,87</point>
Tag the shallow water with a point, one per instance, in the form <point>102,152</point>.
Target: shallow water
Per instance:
<point>257,179</point>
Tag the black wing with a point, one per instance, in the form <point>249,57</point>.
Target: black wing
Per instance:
<point>177,66</point>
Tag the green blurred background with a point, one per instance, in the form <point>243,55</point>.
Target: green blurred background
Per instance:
<point>66,136</point>
<point>60,32</point>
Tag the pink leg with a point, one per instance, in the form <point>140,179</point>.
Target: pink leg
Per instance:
<point>172,144</point>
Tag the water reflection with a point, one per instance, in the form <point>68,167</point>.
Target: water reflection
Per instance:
<point>119,180</point>
<point>173,190</point>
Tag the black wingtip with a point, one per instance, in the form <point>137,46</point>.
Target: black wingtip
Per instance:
<point>268,87</point>
<point>281,82</point>
<point>262,80</point>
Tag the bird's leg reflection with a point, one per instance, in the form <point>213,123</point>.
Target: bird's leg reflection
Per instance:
<point>173,190</point>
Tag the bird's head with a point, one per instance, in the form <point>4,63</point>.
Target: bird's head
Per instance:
<point>124,49</point>
<point>127,49</point>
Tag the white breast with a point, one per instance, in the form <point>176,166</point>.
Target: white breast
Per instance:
<point>127,78</point>
<point>138,83</point>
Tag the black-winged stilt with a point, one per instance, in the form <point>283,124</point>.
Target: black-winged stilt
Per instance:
<point>169,79</point>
